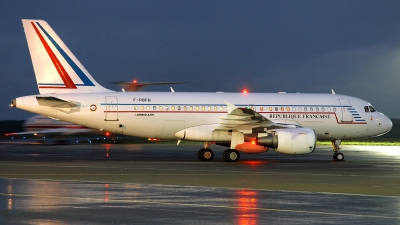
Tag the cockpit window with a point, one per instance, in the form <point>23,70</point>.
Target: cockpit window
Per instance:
<point>371,109</point>
<point>366,108</point>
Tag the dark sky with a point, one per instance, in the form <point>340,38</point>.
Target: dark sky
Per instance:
<point>352,47</point>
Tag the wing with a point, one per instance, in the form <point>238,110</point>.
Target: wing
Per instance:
<point>245,120</point>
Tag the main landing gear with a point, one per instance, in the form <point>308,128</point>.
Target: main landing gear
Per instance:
<point>337,156</point>
<point>206,154</point>
<point>231,155</point>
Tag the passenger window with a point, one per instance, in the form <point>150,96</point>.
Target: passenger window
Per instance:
<point>276,108</point>
<point>141,107</point>
<point>305,109</point>
<point>261,108</point>
<point>270,109</point>
<point>172,107</point>
<point>215,108</point>
<point>203,108</point>
<point>136,108</point>
<point>209,108</point>
<point>166,107</point>
<point>154,108</point>
<point>179,108</point>
<point>288,109</point>
<point>221,108</point>
<point>191,108</point>
<point>148,107</point>
<point>185,108</point>
<point>160,107</point>
<point>366,108</point>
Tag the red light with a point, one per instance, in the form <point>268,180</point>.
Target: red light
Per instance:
<point>107,134</point>
<point>134,81</point>
<point>153,139</point>
<point>245,91</point>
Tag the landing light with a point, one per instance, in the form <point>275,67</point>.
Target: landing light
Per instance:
<point>153,139</point>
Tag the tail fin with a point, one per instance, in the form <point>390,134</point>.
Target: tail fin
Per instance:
<point>57,70</point>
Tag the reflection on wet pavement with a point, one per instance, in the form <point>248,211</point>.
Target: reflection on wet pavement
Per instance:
<point>25,201</point>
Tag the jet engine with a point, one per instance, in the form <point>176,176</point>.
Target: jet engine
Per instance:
<point>291,141</point>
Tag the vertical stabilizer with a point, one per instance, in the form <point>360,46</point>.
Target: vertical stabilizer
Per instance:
<point>57,70</point>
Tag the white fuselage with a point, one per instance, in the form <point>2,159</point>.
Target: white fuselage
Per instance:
<point>163,114</point>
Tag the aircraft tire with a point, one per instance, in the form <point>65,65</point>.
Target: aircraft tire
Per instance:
<point>205,154</point>
<point>338,156</point>
<point>231,155</point>
<point>225,155</point>
<point>200,154</point>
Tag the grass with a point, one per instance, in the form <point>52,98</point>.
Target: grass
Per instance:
<point>374,142</point>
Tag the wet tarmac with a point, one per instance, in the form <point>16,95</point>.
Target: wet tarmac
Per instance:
<point>166,184</point>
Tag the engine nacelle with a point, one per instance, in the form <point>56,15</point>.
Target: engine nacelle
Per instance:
<point>291,141</point>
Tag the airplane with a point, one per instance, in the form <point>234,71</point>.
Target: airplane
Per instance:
<point>288,123</point>
<point>41,125</point>
<point>136,86</point>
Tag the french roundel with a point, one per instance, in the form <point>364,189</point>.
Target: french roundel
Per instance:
<point>93,107</point>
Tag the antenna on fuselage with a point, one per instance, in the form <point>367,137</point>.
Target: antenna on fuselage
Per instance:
<point>333,92</point>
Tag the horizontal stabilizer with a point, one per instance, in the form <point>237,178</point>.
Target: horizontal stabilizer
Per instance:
<point>56,102</point>
<point>59,104</point>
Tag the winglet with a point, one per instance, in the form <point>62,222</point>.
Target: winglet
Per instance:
<point>230,107</point>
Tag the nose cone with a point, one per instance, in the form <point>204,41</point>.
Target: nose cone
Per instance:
<point>180,134</point>
<point>384,123</point>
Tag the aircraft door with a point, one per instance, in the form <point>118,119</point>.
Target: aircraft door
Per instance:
<point>345,108</point>
<point>111,112</point>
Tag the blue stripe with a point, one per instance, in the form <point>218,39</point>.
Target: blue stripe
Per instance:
<point>77,70</point>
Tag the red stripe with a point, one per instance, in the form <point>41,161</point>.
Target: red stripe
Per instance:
<point>52,87</point>
<point>60,69</point>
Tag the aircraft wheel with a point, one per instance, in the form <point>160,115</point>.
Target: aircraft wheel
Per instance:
<point>338,157</point>
<point>231,155</point>
<point>225,155</point>
<point>205,154</point>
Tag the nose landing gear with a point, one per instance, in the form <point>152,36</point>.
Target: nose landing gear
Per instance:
<point>337,156</point>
